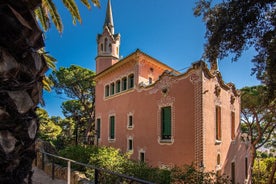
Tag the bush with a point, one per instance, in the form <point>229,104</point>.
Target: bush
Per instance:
<point>113,160</point>
<point>262,170</point>
<point>78,153</point>
<point>143,171</point>
<point>189,174</point>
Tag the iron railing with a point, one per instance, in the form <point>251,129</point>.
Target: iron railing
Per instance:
<point>99,173</point>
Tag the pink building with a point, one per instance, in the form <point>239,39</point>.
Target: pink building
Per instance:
<point>164,117</point>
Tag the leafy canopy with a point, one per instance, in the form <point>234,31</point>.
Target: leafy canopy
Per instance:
<point>234,26</point>
<point>77,83</point>
<point>258,117</point>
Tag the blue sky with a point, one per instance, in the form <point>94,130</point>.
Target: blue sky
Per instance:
<point>166,30</point>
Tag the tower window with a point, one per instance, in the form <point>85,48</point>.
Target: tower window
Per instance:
<point>130,81</point>
<point>110,47</point>
<point>105,44</point>
<point>166,123</point>
<point>101,47</point>
<point>218,123</point>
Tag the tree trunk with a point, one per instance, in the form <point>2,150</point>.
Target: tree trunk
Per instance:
<point>271,177</point>
<point>253,156</point>
<point>21,72</point>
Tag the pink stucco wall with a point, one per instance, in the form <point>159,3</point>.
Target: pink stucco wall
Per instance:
<point>192,99</point>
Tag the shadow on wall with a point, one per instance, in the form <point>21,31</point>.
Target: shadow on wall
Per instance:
<point>238,159</point>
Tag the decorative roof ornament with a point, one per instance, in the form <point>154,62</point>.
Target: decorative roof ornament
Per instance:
<point>109,18</point>
<point>214,65</point>
<point>217,90</point>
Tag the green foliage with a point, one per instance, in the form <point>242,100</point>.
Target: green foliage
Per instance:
<point>143,171</point>
<point>48,130</point>
<point>262,170</point>
<point>113,160</point>
<point>234,26</point>
<point>47,12</point>
<point>77,83</point>
<point>109,158</point>
<point>258,116</point>
<point>78,153</point>
<point>189,174</point>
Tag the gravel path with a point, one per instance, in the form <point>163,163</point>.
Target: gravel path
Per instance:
<point>40,177</point>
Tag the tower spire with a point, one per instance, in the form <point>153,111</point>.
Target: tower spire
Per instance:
<point>109,18</point>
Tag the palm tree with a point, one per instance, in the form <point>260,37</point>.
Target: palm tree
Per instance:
<point>48,11</point>
<point>22,72</point>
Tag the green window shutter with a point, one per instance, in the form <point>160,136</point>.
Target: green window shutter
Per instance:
<point>112,128</point>
<point>166,123</point>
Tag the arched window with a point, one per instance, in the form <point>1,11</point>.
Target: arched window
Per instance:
<point>218,159</point>
<point>101,47</point>
<point>112,88</point>
<point>110,47</point>
<point>150,80</point>
<point>107,90</point>
<point>131,81</point>
<point>124,83</point>
<point>118,86</point>
<point>105,44</point>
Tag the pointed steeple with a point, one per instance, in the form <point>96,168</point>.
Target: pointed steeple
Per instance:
<point>108,43</point>
<point>109,18</point>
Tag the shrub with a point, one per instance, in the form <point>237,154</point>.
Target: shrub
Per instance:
<point>189,174</point>
<point>262,170</point>
<point>78,153</point>
<point>113,160</point>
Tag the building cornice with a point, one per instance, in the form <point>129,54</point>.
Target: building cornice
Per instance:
<point>133,56</point>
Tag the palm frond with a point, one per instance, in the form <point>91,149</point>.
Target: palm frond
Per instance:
<point>47,83</point>
<point>86,3</point>
<point>96,3</point>
<point>43,18</point>
<point>51,8</point>
<point>50,60</point>
<point>73,9</point>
